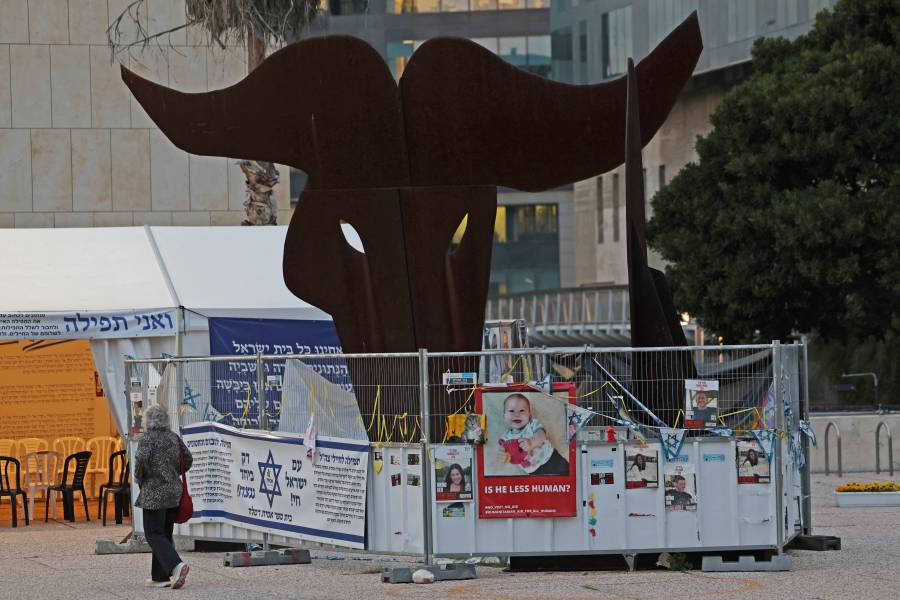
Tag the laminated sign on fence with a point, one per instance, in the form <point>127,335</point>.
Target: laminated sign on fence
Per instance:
<point>267,482</point>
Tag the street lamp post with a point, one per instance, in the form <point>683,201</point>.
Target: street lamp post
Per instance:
<point>867,374</point>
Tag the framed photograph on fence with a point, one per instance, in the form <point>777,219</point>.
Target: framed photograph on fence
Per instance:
<point>641,467</point>
<point>453,473</point>
<point>681,487</point>
<point>526,466</point>
<point>752,464</point>
<point>701,403</point>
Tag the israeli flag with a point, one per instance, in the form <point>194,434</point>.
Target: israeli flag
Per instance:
<point>766,439</point>
<point>720,431</point>
<point>576,418</point>
<point>671,440</point>
<point>807,429</point>
<point>212,414</point>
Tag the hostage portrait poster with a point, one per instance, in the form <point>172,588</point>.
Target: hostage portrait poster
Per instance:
<point>526,466</point>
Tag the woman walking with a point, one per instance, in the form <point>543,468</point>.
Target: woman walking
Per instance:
<point>158,467</point>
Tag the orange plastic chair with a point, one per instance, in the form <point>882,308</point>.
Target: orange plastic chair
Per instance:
<point>100,448</point>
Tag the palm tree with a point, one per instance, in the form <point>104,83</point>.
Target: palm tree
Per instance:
<point>255,24</point>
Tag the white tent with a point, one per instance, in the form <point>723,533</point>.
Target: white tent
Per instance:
<point>141,291</point>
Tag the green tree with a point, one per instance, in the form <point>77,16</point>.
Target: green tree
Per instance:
<point>789,220</point>
<point>253,24</point>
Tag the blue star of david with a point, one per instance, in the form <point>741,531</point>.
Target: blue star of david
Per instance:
<point>269,467</point>
<point>190,399</point>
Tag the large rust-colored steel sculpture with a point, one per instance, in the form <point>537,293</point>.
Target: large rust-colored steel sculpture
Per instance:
<point>404,164</point>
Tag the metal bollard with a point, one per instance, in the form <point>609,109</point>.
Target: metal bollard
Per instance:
<point>890,440</point>
<point>832,424</point>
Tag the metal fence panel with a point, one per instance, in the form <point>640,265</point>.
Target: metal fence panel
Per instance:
<point>380,397</point>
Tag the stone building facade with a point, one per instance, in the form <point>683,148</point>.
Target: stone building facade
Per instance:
<point>77,151</point>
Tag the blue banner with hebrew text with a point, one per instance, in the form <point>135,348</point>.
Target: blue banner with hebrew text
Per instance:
<point>234,383</point>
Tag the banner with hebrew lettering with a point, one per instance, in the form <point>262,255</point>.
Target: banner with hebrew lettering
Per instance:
<point>266,482</point>
<point>108,324</point>
<point>234,383</point>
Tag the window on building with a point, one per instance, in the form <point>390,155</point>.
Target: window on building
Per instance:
<point>662,176</point>
<point>398,7</point>
<point>599,190</point>
<point>483,4</point>
<point>615,35</point>
<point>665,15</point>
<point>348,7</point>
<point>530,53</point>
<point>454,5</point>
<point>615,207</point>
<point>583,52</point>
<point>491,44</point>
<point>741,19</point>
<point>561,42</point>
<point>539,55</point>
<point>514,50</point>
<point>398,55</point>
<point>525,255</point>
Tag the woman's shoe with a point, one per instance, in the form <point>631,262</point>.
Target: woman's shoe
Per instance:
<point>152,583</point>
<point>179,575</point>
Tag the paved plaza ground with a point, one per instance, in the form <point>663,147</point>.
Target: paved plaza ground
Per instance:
<point>56,560</point>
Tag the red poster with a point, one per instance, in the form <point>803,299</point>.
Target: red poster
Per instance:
<point>526,466</point>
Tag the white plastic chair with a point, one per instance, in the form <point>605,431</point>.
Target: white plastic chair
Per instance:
<point>40,474</point>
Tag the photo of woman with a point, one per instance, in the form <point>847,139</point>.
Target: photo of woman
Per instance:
<point>752,464</point>
<point>641,467</point>
<point>453,473</point>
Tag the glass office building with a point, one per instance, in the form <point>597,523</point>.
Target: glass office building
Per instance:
<point>591,41</point>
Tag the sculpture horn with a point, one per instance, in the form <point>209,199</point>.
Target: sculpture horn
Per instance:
<point>309,105</point>
<point>473,119</point>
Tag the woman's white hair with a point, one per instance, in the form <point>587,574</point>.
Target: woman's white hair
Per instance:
<point>156,419</point>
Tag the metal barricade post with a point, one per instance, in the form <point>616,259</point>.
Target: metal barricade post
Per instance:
<point>805,484</point>
<point>425,417</point>
<point>778,372</point>
<point>890,441</point>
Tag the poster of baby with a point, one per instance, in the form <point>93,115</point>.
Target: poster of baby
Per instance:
<point>526,466</point>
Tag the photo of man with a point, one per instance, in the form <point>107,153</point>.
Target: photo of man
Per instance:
<point>681,488</point>
<point>701,403</point>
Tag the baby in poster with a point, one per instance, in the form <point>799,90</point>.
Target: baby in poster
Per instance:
<point>525,440</point>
